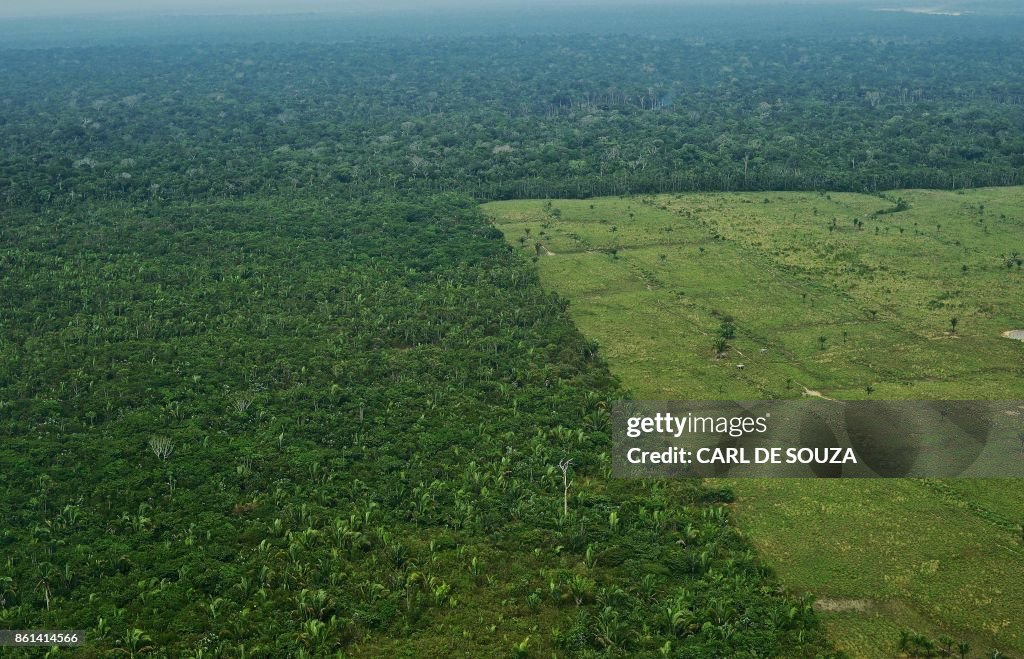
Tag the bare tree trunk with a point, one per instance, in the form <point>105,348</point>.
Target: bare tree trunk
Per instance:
<point>566,484</point>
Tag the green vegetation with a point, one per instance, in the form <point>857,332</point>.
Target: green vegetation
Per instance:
<point>511,117</point>
<point>294,428</point>
<point>831,295</point>
<point>272,385</point>
<point>826,292</point>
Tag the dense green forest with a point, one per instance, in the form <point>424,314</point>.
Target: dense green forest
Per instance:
<point>504,117</point>
<point>272,385</point>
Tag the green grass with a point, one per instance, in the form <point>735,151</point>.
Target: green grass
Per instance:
<point>650,278</point>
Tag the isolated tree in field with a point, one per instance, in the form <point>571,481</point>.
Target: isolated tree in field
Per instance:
<point>904,642</point>
<point>953,322</point>
<point>821,342</point>
<point>720,345</point>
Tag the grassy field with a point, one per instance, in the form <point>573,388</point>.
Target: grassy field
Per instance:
<point>844,296</point>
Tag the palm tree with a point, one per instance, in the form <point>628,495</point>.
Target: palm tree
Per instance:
<point>952,324</point>
<point>135,642</point>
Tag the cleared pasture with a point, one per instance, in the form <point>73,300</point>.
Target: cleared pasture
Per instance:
<point>905,295</point>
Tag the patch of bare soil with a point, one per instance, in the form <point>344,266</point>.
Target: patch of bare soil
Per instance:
<point>815,393</point>
<point>842,605</point>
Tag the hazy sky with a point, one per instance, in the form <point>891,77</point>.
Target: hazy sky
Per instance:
<point>58,7</point>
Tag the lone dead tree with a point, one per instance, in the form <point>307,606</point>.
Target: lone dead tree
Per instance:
<point>564,465</point>
<point>161,447</point>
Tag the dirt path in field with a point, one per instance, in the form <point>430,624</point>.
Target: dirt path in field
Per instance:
<point>815,393</point>
<point>842,605</point>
